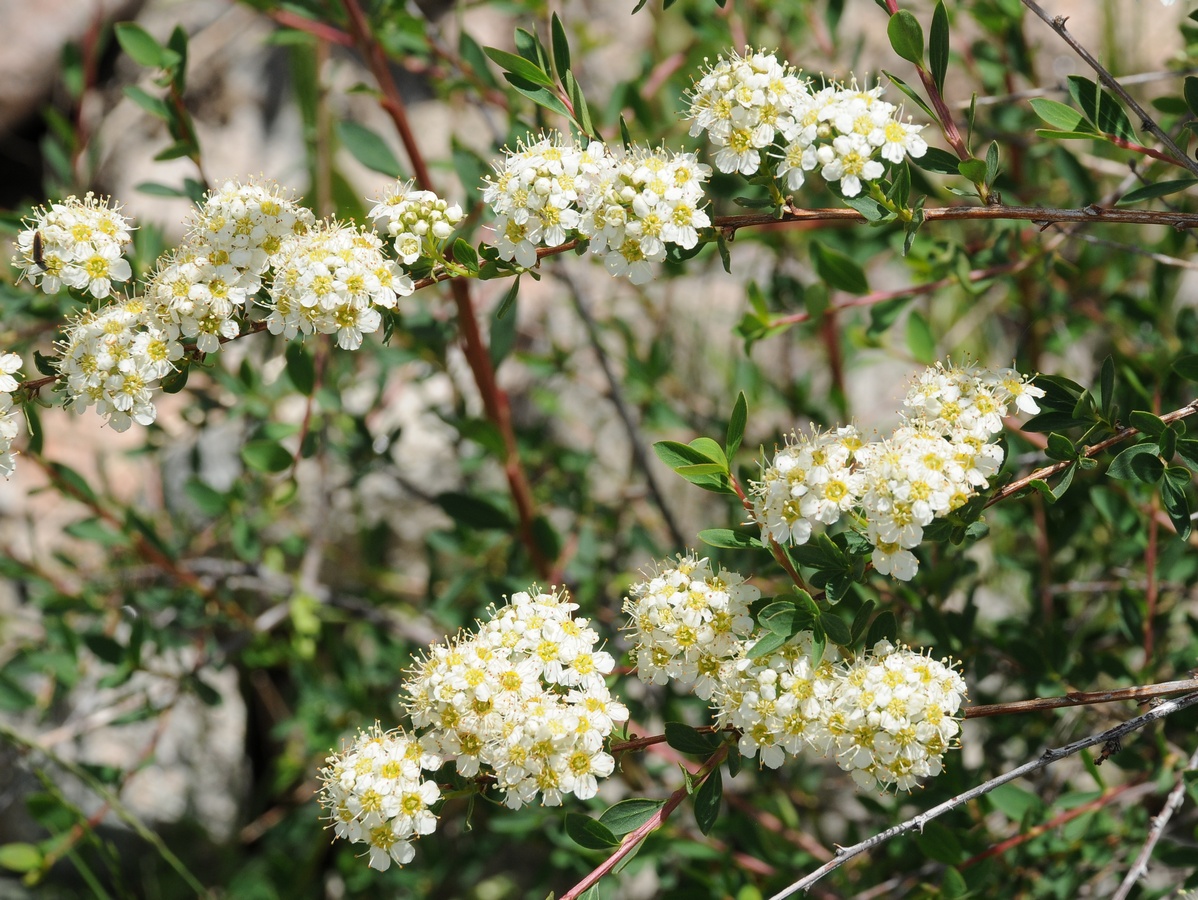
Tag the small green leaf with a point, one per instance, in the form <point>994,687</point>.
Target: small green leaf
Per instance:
<point>939,161</point>
<point>20,857</point>
<point>1190,90</point>
<point>973,170</point>
<point>1187,366</point>
<point>509,300</point>
<point>1058,115</point>
<point>1106,384</point>
<point>765,645</point>
<point>710,449</point>
<point>1140,463</point>
<point>629,815</point>
<point>991,163</point>
<point>920,341</point>
<point>1100,107</point>
<point>1146,422</point>
<point>473,512</point>
<point>1174,496</point>
<point>519,66</point>
<point>472,54</point>
<point>589,833</point>
<point>836,629</point>
<point>561,47</point>
<point>838,270</point>
<point>368,148</point>
<point>266,456</point>
<point>676,455</point>
<point>736,426</point>
<point>1060,448</point>
<point>1152,191</point>
<point>301,369</point>
<point>707,800</point>
<point>685,739</point>
<point>919,101</point>
<point>142,48</point>
<point>151,104</point>
<point>729,539</point>
<point>883,628</point>
<point>938,45</point>
<point>906,36</point>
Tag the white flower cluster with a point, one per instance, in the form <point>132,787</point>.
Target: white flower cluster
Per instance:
<point>113,357</point>
<point>333,280</point>
<point>780,702</point>
<point>761,115</point>
<point>628,203</point>
<point>10,365</point>
<point>640,201</point>
<point>375,795</point>
<point>418,221</point>
<point>886,716</point>
<point>525,696</point>
<point>893,714</point>
<point>77,243</point>
<point>896,487</point>
<point>688,619</point>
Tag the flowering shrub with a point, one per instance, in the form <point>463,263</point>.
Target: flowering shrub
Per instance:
<point>375,497</point>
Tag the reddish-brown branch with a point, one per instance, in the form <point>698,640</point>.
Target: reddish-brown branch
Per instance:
<point>494,399</point>
<point>1140,693</point>
<point>1108,796</point>
<point>633,838</point>
<point>1093,450</point>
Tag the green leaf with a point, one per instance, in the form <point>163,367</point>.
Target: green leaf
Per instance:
<point>729,539</point>
<point>939,842</point>
<point>368,148</point>
<point>991,163</point>
<point>472,54</point>
<point>208,500</point>
<point>676,455</point>
<point>920,341</point>
<point>1187,366</point>
<point>473,512</point>
<point>300,368</point>
<point>20,857</point>
<point>1152,191</point>
<point>629,815</point>
<point>1187,449</point>
<point>74,483</point>
<point>707,800</point>
<point>736,426</point>
<point>712,450</point>
<point>529,46</point>
<point>838,270</point>
<point>1139,463</point>
<point>766,644</point>
<point>1058,115</point>
<point>538,95</point>
<point>685,739</point>
<point>973,170</point>
<point>836,629</point>
<point>266,456</point>
<point>1106,385</point>
<point>1060,448</point>
<point>920,102</point>
<point>142,48</point>
<point>1176,499</point>
<point>939,161</point>
<point>519,66</point>
<point>1146,422</point>
<point>561,47</point>
<point>938,45</point>
<point>883,628</point>
<point>1100,107</point>
<point>867,206</point>
<point>589,833</point>
<point>509,300</point>
<point>1190,91</point>
<point>154,189</point>
<point>151,104</point>
<point>906,36</point>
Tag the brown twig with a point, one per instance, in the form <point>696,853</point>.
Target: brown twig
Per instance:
<point>1093,450</point>
<point>1057,24</point>
<point>1139,693</point>
<point>494,399</point>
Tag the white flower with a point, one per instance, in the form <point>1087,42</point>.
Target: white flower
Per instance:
<point>78,243</point>
<point>333,280</point>
<point>112,359</point>
<point>419,221</point>
<point>687,619</point>
<point>849,160</point>
<point>374,794</point>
